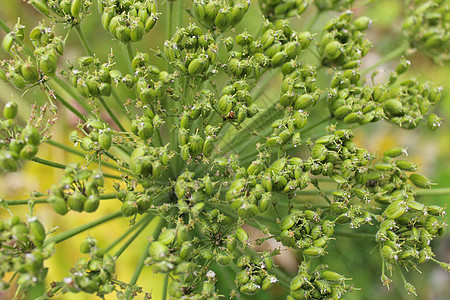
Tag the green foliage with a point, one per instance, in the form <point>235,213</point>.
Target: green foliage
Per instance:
<point>197,148</point>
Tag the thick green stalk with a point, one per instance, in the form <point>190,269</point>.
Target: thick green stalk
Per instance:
<point>312,21</point>
<point>130,56</point>
<point>165,286</point>
<point>262,86</point>
<point>25,201</point>
<point>72,232</point>
<point>169,25</point>
<point>140,265</point>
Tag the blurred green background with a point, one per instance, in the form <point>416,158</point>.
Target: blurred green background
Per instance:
<point>429,149</point>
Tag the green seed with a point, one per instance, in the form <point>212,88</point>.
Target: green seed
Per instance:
<point>420,181</point>
<point>333,50</point>
<point>393,107</point>
<point>158,251</point>
<point>10,110</point>
<point>76,201</point>
<point>395,209</point>
<point>91,204</point>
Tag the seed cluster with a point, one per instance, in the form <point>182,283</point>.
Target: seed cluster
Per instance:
<point>427,28</point>
<point>23,251</point>
<point>19,143</point>
<point>77,190</point>
<point>128,21</point>
<point>319,283</point>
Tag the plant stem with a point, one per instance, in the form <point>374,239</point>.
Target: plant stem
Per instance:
<point>48,163</point>
<point>111,114</point>
<point>61,166</point>
<point>81,154</point>
<point>25,201</point>
<point>72,232</point>
<point>65,103</point>
<point>169,25</point>
<point>149,217</point>
<point>45,200</point>
<point>261,86</point>
<point>4,26</point>
<point>130,56</point>
<point>86,45</point>
<point>72,93</point>
<point>83,39</point>
<point>124,235</point>
<point>434,192</point>
<point>393,54</point>
<point>138,269</point>
<point>356,235</point>
<point>119,102</point>
<point>165,285</point>
<point>313,21</point>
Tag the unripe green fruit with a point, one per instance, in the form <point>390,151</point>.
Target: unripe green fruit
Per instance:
<point>105,140</point>
<point>333,50</point>
<point>76,201</point>
<point>195,144</point>
<point>129,208</point>
<point>29,72</point>
<point>58,204</point>
<point>47,64</point>
<point>10,110</point>
<point>393,107</point>
<point>363,23</point>
<point>420,181</point>
<point>30,135</point>
<point>28,151</point>
<point>8,41</point>
<point>17,80</point>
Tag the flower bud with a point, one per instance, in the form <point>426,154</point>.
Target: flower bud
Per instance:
<point>314,251</point>
<point>41,6</point>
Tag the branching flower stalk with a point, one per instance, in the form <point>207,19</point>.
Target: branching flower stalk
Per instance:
<point>204,149</point>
